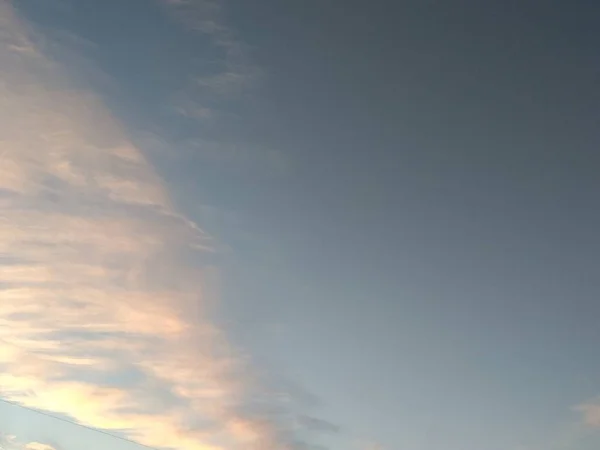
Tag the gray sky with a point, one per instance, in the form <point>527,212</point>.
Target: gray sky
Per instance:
<point>400,199</point>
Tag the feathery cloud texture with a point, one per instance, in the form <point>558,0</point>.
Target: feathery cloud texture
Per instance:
<point>102,316</point>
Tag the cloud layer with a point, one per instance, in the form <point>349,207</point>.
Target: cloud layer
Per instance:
<point>102,315</point>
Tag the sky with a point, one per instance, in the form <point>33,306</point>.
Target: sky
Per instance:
<point>317,225</point>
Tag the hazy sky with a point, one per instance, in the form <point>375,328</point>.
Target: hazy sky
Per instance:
<point>279,225</point>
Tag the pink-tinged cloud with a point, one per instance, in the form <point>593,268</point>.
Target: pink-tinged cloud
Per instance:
<point>94,283</point>
<point>590,413</point>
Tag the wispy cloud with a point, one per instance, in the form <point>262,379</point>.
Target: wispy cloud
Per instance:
<point>210,89</point>
<point>579,433</point>
<point>236,71</point>
<point>9,442</point>
<point>590,412</point>
<point>103,318</point>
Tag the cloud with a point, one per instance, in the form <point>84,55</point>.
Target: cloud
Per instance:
<point>590,413</point>
<point>237,71</point>
<point>205,96</point>
<point>581,434</point>
<point>103,317</point>
<point>9,442</point>
<point>38,446</point>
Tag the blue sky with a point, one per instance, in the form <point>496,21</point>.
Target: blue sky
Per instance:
<point>278,225</point>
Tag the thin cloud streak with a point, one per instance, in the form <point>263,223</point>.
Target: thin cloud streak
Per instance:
<point>231,78</point>
<point>102,317</point>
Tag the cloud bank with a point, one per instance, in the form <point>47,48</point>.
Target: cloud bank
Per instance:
<point>102,313</point>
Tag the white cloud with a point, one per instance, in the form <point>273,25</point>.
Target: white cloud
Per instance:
<point>38,446</point>
<point>9,442</point>
<point>94,276</point>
